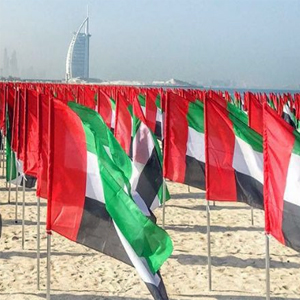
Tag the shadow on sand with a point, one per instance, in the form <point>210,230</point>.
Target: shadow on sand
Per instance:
<point>232,261</point>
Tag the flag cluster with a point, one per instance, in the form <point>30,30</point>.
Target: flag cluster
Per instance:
<point>100,155</point>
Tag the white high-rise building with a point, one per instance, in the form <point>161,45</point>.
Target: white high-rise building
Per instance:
<point>77,64</point>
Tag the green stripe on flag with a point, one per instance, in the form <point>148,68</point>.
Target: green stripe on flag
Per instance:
<point>107,138</point>
<point>10,155</point>
<point>243,131</point>
<point>142,100</point>
<point>296,147</point>
<point>238,113</point>
<point>195,116</point>
<point>113,103</point>
<point>157,101</point>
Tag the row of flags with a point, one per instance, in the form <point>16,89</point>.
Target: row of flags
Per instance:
<point>98,194</point>
<point>101,153</point>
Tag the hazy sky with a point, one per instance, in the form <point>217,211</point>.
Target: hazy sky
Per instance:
<point>255,42</point>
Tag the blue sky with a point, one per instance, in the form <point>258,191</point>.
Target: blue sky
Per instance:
<point>251,42</point>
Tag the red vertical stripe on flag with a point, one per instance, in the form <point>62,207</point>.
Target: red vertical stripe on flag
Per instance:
<point>31,134</point>
<point>123,124</point>
<point>104,107</point>
<point>255,114</point>
<point>67,171</point>
<point>151,108</point>
<point>21,128</point>
<point>176,135</point>
<point>15,122</point>
<point>278,146</point>
<point>219,151</point>
<point>43,115</point>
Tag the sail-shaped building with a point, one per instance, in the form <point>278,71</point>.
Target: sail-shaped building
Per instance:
<point>77,64</point>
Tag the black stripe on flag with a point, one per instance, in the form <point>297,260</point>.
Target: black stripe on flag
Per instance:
<point>158,132</point>
<point>291,225</point>
<point>287,117</point>
<point>30,181</point>
<point>131,148</point>
<point>150,179</point>
<point>249,190</point>
<point>98,232</point>
<point>158,293</point>
<point>194,172</point>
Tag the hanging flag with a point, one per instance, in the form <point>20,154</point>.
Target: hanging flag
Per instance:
<point>281,179</point>
<point>234,156</point>
<point>184,153</point>
<point>147,178</point>
<point>255,113</point>
<point>89,201</point>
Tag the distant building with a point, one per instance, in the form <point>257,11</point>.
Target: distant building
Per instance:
<point>77,64</point>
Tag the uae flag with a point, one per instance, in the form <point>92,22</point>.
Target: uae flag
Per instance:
<point>184,153</point>
<point>147,177</point>
<point>89,200</point>
<point>281,179</point>
<point>234,156</point>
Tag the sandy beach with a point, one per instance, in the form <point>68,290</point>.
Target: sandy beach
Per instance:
<point>238,256</point>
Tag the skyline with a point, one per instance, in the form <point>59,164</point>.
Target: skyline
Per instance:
<point>252,43</point>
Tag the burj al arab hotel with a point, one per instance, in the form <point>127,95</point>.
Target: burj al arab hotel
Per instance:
<point>77,63</point>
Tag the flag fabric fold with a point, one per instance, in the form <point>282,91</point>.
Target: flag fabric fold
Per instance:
<point>90,201</point>
<point>184,153</point>
<point>281,179</point>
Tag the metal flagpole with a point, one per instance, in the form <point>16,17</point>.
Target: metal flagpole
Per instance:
<point>208,245</point>
<point>252,216</point>
<point>4,161</point>
<point>17,190</point>
<point>38,243</point>
<point>23,214</point>
<point>10,175</point>
<point>164,204</point>
<point>48,263</point>
<point>267,267</point>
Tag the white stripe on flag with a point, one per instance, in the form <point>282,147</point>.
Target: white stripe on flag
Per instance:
<point>94,188</point>
<point>247,161</point>
<point>139,263</point>
<point>142,145</point>
<point>113,119</point>
<point>292,188</point>
<point>195,145</point>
